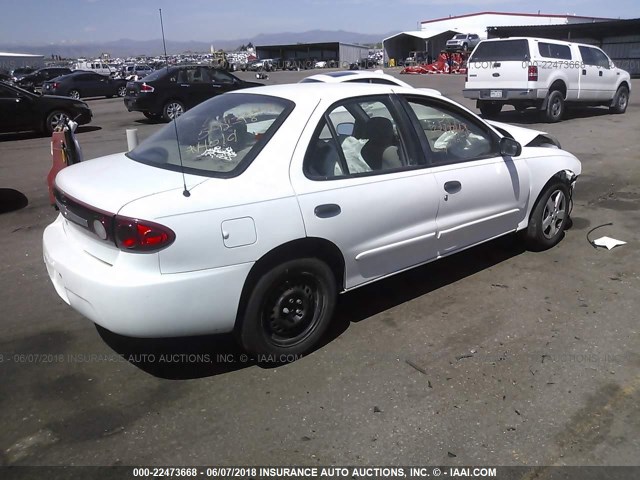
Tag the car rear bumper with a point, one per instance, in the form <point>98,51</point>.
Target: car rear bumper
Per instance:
<point>137,303</point>
<point>141,104</point>
<point>506,94</point>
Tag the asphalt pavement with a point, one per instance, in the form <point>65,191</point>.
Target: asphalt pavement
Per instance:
<point>496,356</point>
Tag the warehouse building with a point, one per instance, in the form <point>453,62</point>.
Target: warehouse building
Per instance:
<point>433,34</point>
<point>11,61</point>
<point>620,39</point>
<point>343,54</point>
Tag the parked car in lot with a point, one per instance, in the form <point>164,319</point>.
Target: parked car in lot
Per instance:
<point>168,93</point>
<point>95,66</point>
<point>21,110</point>
<point>35,80</point>
<point>291,195</point>
<point>544,74</point>
<point>18,73</point>
<point>137,70</point>
<point>81,84</point>
<point>462,42</point>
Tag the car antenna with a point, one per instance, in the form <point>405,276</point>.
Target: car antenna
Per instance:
<point>185,192</point>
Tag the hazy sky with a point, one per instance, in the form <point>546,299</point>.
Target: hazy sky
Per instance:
<point>52,21</point>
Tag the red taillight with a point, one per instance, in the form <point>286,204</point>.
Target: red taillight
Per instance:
<point>533,73</point>
<point>146,88</point>
<point>55,85</point>
<point>133,235</point>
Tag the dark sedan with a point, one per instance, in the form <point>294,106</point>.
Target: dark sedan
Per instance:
<point>80,84</point>
<point>168,93</point>
<point>21,110</point>
<point>34,80</point>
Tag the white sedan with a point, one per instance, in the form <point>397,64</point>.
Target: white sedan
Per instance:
<point>270,201</point>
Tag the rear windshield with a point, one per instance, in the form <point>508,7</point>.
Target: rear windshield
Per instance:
<point>501,51</point>
<point>219,137</point>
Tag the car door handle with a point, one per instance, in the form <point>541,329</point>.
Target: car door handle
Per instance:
<point>327,210</point>
<point>216,86</point>
<point>452,187</point>
<point>584,72</point>
<point>185,85</point>
<point>600,73</point>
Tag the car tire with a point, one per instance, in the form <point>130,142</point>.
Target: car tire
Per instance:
<point>620,100</point>
<point>152,116</point>
<point>172,109</point>
<point>549,217</point>
<point>75,94</point>
<point>489,109</point>
<point>122,91</point>
<point>555,107</point>
<point>271,326</point>
<point>52,120</point>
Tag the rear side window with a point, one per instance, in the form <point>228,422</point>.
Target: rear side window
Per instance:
<point>553,50</point>
<point>501,51</point>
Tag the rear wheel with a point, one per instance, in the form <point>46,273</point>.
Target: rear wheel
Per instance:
<point>122,91</point>
<point>172,109</point>
<point>289,308</point>
<point>53,119</point>
<point>489,109</point>
<point>555,107</point>
<point>549,217</point>
<point>620,100</point>
<point>74,94</point>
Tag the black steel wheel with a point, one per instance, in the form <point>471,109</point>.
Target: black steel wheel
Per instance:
<point>289,308</point>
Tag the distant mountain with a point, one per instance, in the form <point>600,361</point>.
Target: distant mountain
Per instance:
<point>127,47</point>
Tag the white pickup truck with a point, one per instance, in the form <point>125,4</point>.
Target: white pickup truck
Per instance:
<point>544,74</point>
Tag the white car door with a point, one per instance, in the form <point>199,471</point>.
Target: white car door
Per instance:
<point>482,195</point>
<point>360,184</point>
<point>607,77</point>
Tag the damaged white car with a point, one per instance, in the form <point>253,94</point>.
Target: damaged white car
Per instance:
<point>260,206</point>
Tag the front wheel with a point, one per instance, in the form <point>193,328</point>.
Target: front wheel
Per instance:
<point>172,109</point>
<point>620,100</point>
<point>53,119</point>
<point>289,308</point>
<point>549,217</point>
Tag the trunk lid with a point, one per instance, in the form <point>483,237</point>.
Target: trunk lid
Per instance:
<point>111,182</point>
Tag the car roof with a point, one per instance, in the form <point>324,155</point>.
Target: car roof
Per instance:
<point>346,75</point>
<point>306,93</point>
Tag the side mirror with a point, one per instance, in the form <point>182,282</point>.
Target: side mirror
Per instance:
<point>509,147</point>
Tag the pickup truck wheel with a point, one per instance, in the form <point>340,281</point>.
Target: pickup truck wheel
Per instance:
<point>620,100</point>
<point>555,107</point>
<point>548,218</point>
<point>289,308</point>
<point>490,109</point>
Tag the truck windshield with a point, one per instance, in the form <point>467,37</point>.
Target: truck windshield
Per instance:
<point>501,51</point>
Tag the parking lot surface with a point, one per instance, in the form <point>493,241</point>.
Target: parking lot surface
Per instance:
<point>496,356</point>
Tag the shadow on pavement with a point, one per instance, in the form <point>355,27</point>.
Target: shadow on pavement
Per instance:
<point>205,356</point>
<point>12,200</point>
